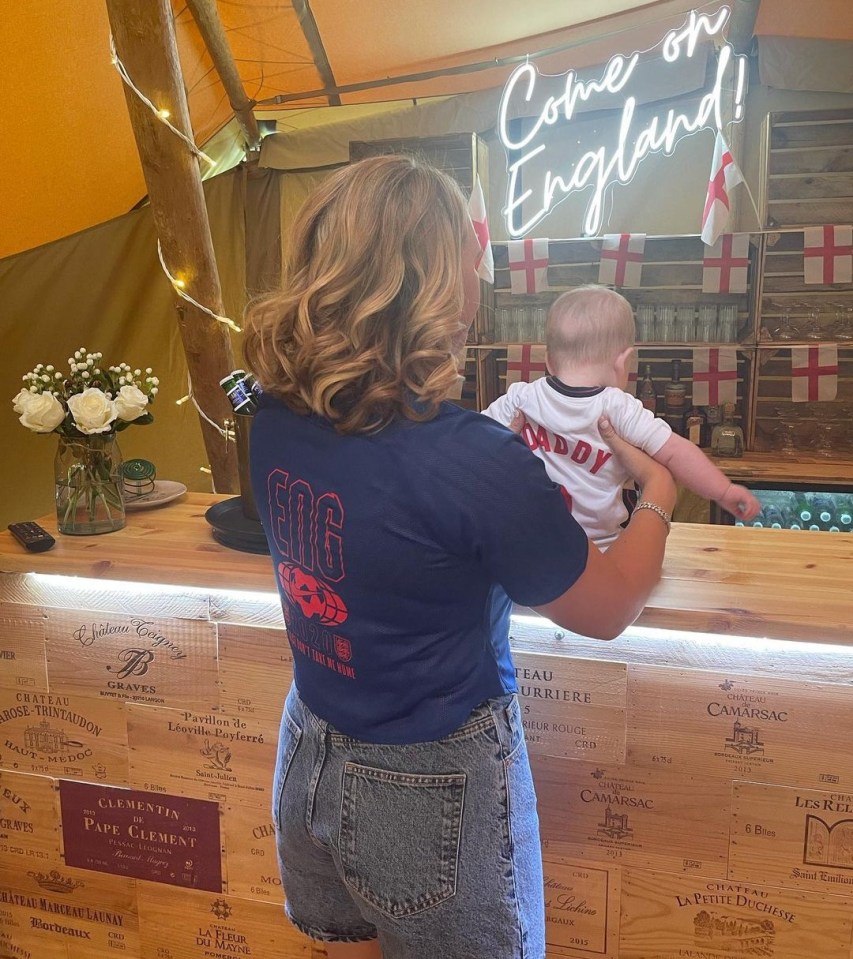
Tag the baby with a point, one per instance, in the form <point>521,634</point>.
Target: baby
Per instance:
<point>589,340</point>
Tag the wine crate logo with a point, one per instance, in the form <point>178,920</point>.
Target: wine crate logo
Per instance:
<point>744,740</point>
<point>615,825</point>
<point>218,756</point>
<point>742,937</point>
<point>220,909</point>
<point>54,881</point>
<point>827,845</point>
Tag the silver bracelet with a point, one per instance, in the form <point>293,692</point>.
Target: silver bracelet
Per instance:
<point>644,504</point>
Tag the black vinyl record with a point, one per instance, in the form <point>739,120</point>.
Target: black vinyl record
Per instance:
<point>232,528</point>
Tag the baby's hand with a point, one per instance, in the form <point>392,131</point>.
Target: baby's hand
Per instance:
<point>740,502</point>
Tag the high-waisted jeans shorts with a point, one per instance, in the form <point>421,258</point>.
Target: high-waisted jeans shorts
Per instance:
<point>433,848</point>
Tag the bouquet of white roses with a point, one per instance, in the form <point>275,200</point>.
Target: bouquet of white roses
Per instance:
<point>91,399</point>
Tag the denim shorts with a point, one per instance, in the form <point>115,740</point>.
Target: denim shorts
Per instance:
<point>433,848</point>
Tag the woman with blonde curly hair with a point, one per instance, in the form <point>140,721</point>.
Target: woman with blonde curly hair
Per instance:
<point>401,528</point>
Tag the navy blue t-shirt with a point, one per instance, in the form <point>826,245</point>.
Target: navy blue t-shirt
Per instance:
<point>396,557</point>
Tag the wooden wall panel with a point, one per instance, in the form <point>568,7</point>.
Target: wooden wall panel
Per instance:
<point>255,670</point>
<point>670,917</point>
<point>22,647</point>
<point>250,853</point>
<point>581,908</point>
<point>29,821</point>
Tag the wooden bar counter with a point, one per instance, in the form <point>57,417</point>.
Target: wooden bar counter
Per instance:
<point>695,776</point>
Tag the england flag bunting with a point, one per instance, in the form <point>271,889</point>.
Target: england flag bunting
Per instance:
<point>726,264</point>
<point>814,373</point>
<point>714,375</point>
<point>528,265</point>
<point>477,212</point>
<point>725,175</point>
<point>621,261</point>
<point>828,254</point>
<point>525,363</point>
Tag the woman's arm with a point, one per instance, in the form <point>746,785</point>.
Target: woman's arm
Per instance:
<point>613,589</point>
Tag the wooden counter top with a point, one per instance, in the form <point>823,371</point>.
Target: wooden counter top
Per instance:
<point>781,584</point>
<point>801,469</point>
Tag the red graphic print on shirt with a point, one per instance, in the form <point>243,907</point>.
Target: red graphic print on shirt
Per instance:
<point>308,533</point>
<point>314,597</point>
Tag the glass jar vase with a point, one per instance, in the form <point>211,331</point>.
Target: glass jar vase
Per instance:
<point>87,471</point>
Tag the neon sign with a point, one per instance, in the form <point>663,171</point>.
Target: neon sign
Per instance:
<point>595,168</point>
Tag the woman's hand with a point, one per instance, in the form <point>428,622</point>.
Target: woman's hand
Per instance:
<point>654,480</point>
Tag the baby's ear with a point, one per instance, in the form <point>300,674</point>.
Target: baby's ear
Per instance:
<point>623,359</point>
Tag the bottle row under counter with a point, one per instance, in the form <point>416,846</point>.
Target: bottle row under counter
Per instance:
<point>789,509</point>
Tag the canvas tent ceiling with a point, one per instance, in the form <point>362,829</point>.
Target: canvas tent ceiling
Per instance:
<point>69,159</point>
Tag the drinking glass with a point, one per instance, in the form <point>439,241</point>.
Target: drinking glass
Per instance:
<point>503,324</point>
<point>685,323</point>
<point>728,323</point>
<point>812,330</point>
<point>665,326</point>
<point>540,315</point>
<point>645,322</point>
<point>786,330</point>
<point>706,325</point>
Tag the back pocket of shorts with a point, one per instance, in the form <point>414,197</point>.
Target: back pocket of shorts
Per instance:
<point>400,833</point>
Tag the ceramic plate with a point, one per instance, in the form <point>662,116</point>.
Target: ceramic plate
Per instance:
<point>164,492</point>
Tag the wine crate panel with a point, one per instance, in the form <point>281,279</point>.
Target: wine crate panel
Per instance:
<point>54,907</point>
<point>142,835</point>
<point>255,670</point>
<point>72,592</point>
<point>250,853</point>
<point>202,755</point>
<point>63,736</point>
<point>792,837</point>
<point>248,609</point>
<point>671,917</point>
<point>572,708</point>
<point>168,662</point>
<point>22,647</point>
<point>29,817</point>
<point>581,909</point>
<point>760,728</point>
<point>628,816</point>
<point>187,924</point>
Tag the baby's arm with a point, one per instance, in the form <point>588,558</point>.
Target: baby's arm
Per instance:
<point>505,407</point>
<point>692,468</point>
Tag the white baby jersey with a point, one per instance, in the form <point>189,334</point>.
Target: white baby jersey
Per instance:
<point>561,427</point>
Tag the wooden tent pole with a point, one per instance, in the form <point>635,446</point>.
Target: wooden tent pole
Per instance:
<point>145,43</point>
<point>212,32</point>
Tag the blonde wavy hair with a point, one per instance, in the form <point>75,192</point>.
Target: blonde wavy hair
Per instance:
<point>372,297</point>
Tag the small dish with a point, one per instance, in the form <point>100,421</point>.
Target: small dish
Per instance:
<point>164,492</point>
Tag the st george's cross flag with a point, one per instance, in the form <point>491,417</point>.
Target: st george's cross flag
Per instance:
<point>528,265</point>
<point>714,375</point>
<point>725,175</point>
<point>814,373</point>
<point>726,263</point>
<point>525,362</point>
<point>828,254</point>
<point>621,262</point>
<point>477,212</point>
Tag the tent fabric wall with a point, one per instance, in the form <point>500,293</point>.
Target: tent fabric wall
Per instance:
<point>795,63</point>
<point>104,289</point>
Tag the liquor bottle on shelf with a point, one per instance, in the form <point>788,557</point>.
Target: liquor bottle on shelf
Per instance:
<point>727,438</point>
<point>675,392</point>
<point>713,418</point>
<point>647,393</point>
<point>695,427</point>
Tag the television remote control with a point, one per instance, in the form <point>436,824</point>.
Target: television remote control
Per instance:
<point>32,536</point>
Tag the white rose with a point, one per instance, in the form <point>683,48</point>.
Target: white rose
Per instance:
<point>40,412</point>
<point>19,401</point>
<point>130,403</point>
<point>93,411</point>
